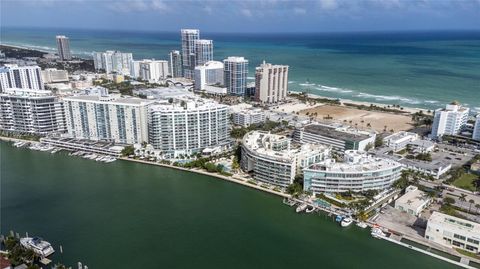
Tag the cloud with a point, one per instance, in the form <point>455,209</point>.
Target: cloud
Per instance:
<point>159,5</point>
<point>328,4</point>
<point>246,12</point>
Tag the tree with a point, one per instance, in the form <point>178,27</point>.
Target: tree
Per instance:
<point>462,198</point>
<point>294,188</point>
<point>128,150</point>
<point>448,200</point>
<point>477,207</point>
<point>472,202</point>
<point>368,147</point>
<point>378,142</point>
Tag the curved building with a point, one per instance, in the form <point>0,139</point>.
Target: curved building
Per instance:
<point>187,125</point>
<point>272,159</point>
<point>359,172</point>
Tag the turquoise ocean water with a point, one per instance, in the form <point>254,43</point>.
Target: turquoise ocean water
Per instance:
<point>417,69</point>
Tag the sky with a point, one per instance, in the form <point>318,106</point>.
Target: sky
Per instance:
<point>244,16</point>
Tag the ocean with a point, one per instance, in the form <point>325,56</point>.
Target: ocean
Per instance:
<point>131,215</point>
<point>414,69</point>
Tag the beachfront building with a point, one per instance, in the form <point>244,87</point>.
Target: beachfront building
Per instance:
<point>63,48</point>
<point>203,51</point>
<point>358,172</point>
<point>175,64</point>
<point>449,120</point>
<point>153,70</point>
<point>274,160</point>
<point>31,111</point>
<point>210,73</point>
<point>453,232</point>
<point>271,83</point>
<point>106,117</point>
<point>112,61</point>
<point>235,75</point>
<point>413,202</point>
<point>340,138</point>
<point>53,75</point>
<point>20,77</point>
<point>476,128</point>
<point>248,117</point>
<point>189,36</point>
<point>399,140</point>
<point>184,125</point>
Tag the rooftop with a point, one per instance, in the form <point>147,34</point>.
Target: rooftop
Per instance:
<point>357,163</point>
<point>112,99</point>
<point>454,223</point>
<point>334,132</point>
<point>414,198</point>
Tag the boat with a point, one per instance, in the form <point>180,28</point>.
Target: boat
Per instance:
<point>339,218</point>
<point>289,202</point>
<point>301,207</point>
<point>346,222</point>
<point>377,233</point>
<point>310,209</point>
<point>362,225</point>
<point>38,245</point>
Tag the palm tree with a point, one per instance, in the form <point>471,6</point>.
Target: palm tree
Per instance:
<point>462,197</point>
<point>472,202</point>
<point>369,125</point>
<point>477,207</point>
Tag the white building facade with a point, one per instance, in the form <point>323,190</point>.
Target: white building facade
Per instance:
<point>359,172</point>
<point>112,61</point>
<point>400,140</point>
<point>272,159</point>
<point>31,111</point>
<point>210,73</point>
<point>413,202</point>
<point>189,36</point>
<point>453,232</point>
<point>235,75</point>
<point>53,75</point>
<point>106,117</point>
<point>153,70</point>
<point>203,51</point>
<point>63,48</point>
<point>271,83</point>
<point>21,77</point>
<point>175,64</point>
<point>449,120</point>
<point>476,128</point>
<point>249,117</point>
<point>187,125</point>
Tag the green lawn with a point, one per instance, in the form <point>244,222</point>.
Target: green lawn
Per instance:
<point>466,181</point>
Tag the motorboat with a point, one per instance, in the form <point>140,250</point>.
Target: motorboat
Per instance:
<point>377,233</point>
<point>38,245</point>
<point>289,202</point>
<point>339,218</point>
<point>310,209</point>
<point>301,208</point>
<point>362,225</point>
<point>346,222</point>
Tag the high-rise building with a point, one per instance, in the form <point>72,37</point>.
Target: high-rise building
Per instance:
<point>63,48</point>
<point>153,70</point>
<point>235,73</point>
<point>175,64</point>
<point>53,75</point>
<point>113,62</point>
<point>449,120</point>
<point>271,83</point>
<point>22,77</point>
<point>203,51</point>
<point>186,125</point>
<point>31,111</point>
<point>188,50</point>
<point>476,128</point>
<point>210,73</point>
<point>100,116</point>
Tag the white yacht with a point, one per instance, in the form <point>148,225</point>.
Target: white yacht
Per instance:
<point>38,245</point>
<point>377,233</point>
<point>362,225</point>
<point>301,207</point>
<point>347,221</point>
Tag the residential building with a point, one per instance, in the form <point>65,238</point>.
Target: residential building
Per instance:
<point>189,36</point>
<point>235,75</point>
<point>449,120</point>
<point>105,117</point>
<point>413,202</point>
<point>476,128</point>
<point>175,64</point>
<point>112,61</point>
<point>135,69</point>
<point>20,77</point>
<point>453,232</point>
<point>53,75</point>
<point>400,140</point>
<point>31,111</point>
<point>203,51</point>
<point>184,125</point>
<point>274,160</point>
<point>63,48</point>
<point>340,138</point>
<point>358,172</point>
<point>209,73</point>
<point>271,83</point>
<point>248,117</point>
<point>153,70</point>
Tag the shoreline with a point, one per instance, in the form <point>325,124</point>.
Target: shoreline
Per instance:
<point>244,183</point>
<point>39,50</point>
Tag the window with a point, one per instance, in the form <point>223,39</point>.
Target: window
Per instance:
<point>461,237</point>
<point>470,240</point>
